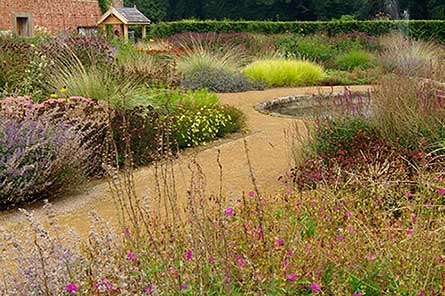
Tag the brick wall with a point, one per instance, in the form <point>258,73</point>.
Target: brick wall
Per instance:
<point>55,15</point>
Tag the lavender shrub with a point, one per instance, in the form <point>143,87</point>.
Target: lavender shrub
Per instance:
<point>45,147</point>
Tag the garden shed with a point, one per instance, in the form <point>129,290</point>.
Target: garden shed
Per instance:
<point>123,17</point>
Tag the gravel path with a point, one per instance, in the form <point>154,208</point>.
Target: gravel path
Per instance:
<point>268,150</point>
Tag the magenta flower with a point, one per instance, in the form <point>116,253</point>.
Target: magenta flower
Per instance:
<point>251,193</point>
<point>189,255</point>
<point>211,260</point>
<point>175,272</point>
<point>285,264</point>
<point>127,232</point>
<point>229,212</point>
<point>291,277</point>
<point>442,191</point>
<point>279,242</point>
<point>104,285</point>
<point>315,287</point>
<point>148,290</point>
<point>340,238</point>
<point>409,232</point>
<point>73,288</point>
<point>422,293</point>
<point>290,253</point>
<point>348,214</point>
<point>184,286</point>
<point>409,194</point>
<point>131,256</point>
<point>240,261</point>
<point>414,218</point>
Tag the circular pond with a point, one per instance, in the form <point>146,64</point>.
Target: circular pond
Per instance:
<point>319,105</point>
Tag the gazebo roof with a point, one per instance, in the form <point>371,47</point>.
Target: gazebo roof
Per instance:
<point>127,15</point>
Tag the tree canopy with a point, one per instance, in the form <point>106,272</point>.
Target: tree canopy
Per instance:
<point>167,10</point>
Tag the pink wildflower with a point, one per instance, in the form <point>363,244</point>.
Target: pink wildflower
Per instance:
<point>340,238</point>
<point>240,261</point>
<point>409,194</point>
<point>315,287</point>
<point>290,253</point>
<point>189,255</point>
<point>409,232</point>
<point>127,232</point>
<point>104,284</point>
<point>291,277</point>
<point>211,260</point>
<point>175,272</point>
<point>131,256</point>
<point>285,264</point>
<point>251,193</point>
<point>148,289</point>
<point>73,288</point>
<point>279,242</point>
<point>422,293</point>
<point>348,214</point>
<point>184,286</point>
<point>229,212</point>
<point>442,191</point>
<point>414,218</point>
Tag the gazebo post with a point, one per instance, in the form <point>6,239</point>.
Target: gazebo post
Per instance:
<point>125,33</point>
<point>144,32</point>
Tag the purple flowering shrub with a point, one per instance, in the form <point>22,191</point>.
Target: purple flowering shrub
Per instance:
<point>46,147</point>
<point>220,80</point>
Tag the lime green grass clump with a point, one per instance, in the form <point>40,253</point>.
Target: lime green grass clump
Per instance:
<point>282,72</point>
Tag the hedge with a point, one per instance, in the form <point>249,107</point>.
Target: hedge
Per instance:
<point>424,29</point>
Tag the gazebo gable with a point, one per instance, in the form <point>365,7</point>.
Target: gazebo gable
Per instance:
<point>123,15</point>
<point>112,17</point>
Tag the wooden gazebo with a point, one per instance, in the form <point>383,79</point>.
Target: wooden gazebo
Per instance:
<point>124,17</point>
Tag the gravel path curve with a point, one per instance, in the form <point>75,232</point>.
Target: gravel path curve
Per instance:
<point>268,150</point>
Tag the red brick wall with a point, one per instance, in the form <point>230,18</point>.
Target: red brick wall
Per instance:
<point>55,15</point>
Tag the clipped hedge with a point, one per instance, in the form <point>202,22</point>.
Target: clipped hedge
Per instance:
<point>425,29</point>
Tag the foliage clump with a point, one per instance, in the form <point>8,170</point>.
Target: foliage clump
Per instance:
<point>281,72</point>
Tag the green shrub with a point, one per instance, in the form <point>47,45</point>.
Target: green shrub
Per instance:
<point>198,126</point>
<point>22,68</point>
<point>316,49</point>
<point>354,59</point>
<point>281,72</point>
<point>175,98</point>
